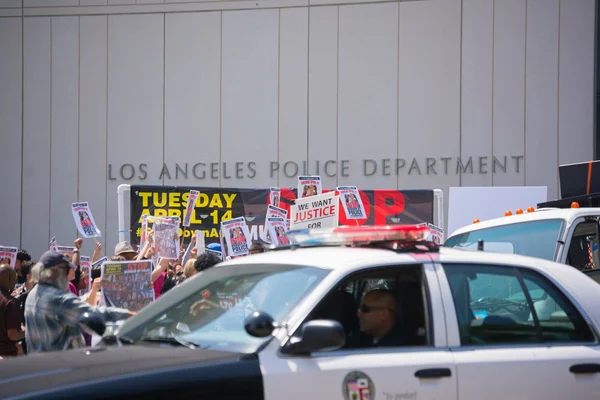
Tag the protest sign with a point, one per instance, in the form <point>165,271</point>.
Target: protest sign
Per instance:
<point>272,211</point>
<point>189,208</point>
<point>128,284</point>
<point>274,196</point>
<point>85,263</point>
<point>277,230</point>
<point>309,186</point>
<point>319,211</point>
<point>236,236</point>
<point>53,245</point>
<point>144,232</point>
<point>84,220</point>
<point>166,238</point>
<point>66,250</point>
<point>200,242</point>
<point>351,202</point>
<point>436,235</point>
<point>8,255</point>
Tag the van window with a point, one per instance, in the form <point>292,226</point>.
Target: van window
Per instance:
<point>535,238</point>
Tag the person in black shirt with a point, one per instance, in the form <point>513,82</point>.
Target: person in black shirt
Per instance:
<point>377,316</point>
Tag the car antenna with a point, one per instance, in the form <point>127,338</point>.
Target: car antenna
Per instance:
<point>480,245</point>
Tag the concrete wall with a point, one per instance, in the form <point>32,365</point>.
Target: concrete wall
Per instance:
<point>412,85</point>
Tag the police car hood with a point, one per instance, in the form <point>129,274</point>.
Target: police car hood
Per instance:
<point>110,365</point>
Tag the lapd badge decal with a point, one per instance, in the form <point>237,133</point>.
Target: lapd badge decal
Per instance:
<point>358,386</point>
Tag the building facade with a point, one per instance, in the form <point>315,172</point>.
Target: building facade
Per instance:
<point>378,94</point>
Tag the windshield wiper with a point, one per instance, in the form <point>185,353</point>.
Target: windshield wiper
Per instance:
<point>173,339</point>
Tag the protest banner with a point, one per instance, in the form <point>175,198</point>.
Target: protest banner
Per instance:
<point>84,220</point>
<point>189,208</point>
<point>213,205</point>
<point>320,211</point>
<point>351,202</point>
<point>8,255</point>
<point>237,237</point>
<point>166,238</point>
<point>128,284</point>
<point>277,230</point>
<point>309,186</point>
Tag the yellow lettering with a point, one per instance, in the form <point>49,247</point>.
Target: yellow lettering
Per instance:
<point>145,211</point>
<point>174,199</point>
<point>229,199</point>
<point>216,201</point>
<point>214,233</point>
<point>194,220</point>
<point>184,198</point>
<point>163,200</point>
<point>145,197</point>
<point>174,213</point>
<point>202,200</point>
<point>159,212</point>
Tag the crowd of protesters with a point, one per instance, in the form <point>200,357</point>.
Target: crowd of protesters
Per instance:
<point>40,306</point>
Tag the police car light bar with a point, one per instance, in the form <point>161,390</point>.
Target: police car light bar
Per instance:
<point>395,237</point>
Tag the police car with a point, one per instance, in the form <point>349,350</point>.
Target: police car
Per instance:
<point>301,322</point>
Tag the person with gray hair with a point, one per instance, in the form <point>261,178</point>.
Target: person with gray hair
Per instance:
<point>52,312</point>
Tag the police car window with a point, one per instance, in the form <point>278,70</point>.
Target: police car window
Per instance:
<point>383,308</point>
<point>493,306</point>
<point>213,314</point>
<point>535,238</point>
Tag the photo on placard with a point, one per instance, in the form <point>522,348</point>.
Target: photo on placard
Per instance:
<point>84,220</point>
<point>237,236</point>
<point>309,186</point>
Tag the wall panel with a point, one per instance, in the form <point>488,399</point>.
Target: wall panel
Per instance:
<point>192,97</point>
<point>11,79</point>
<point>476,88</point>
<point>576,81</point>
<point>92,121</point>
<point>322,89</point>
<point>293,91</point>
<point>541,96</point>
<point>64,156</point>
<point>368,93</point>
<point>35,228</point>
<point>135,107</point>
<point>509,92</point>
<point>249,99</point>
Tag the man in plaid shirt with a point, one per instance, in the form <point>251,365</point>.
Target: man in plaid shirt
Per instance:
<point>52,312</point>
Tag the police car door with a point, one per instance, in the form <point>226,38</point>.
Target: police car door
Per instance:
<point>423,369</point>
<point>503,348</point>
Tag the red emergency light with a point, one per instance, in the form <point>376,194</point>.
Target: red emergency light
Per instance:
<point>396,237</point>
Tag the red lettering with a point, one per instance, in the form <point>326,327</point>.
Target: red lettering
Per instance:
<point>382,210</point>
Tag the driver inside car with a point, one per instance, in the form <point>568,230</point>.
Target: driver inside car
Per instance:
<point>378,319</point>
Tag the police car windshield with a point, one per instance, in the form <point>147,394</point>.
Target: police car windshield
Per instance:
<point>212,314</point>
<point>535,238</point>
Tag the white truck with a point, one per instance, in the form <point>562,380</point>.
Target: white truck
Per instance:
<point>552,232</point>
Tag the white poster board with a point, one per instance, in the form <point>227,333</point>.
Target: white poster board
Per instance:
<point>320,211</point>
<point>466,204</point>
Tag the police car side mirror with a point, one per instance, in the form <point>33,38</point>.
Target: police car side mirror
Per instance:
<point>93,323</point>
<point>260,324</point>
<point>317,335</point>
